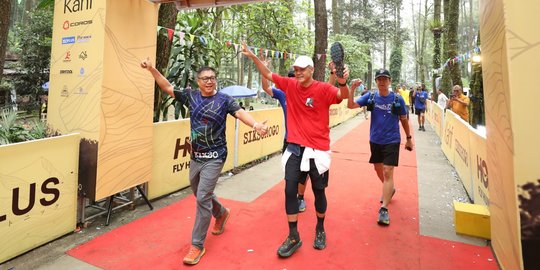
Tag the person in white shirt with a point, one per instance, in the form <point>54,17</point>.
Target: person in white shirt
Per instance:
<point>442,99</point>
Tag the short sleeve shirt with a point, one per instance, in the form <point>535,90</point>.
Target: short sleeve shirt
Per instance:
<point>384,127</point>
<point>420,100</point>
<point>208,122</point>
<point>308,111</point>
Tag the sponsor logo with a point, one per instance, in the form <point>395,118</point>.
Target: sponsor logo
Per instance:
<point>252,136</point>
<point>71,6</point>
<point>66,71</point>
<point>64,92</point>
<point>68,24</point>
<point>212,154</point>
<point>68,40</point>
<point>83,55</point>
<point>67,57</point>
<point>84,39</point>
<point>48,194</point>
<point>81,91</point>
<point>81,72</point>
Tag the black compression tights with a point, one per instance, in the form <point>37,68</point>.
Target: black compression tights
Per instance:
<point>291,201</point>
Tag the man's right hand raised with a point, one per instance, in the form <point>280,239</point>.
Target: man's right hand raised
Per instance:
<point>146,63</point>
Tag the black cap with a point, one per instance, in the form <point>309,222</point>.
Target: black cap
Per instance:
<point>291,73</point>
<point>382,73</point>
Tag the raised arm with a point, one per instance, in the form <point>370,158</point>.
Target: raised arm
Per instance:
<point>265,85</point>
<point>163,83</point>
<point>343,92</point>
<point>265,72</point>
<point>350,102</point>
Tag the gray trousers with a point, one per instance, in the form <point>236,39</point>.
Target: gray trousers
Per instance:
<point>203,177</point>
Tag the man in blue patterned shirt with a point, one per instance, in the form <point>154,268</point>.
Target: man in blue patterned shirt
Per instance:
<point>209,109</point>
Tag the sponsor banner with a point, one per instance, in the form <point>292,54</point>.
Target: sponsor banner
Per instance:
<point>171,156</point>
<point>479,167</point>
<point>38,198</point>
<point>336,113</point>
<point>462,153</point>
<point>252,146</point>
<point>127,96</point>
<point>437,118</point>
<point>447,139</point>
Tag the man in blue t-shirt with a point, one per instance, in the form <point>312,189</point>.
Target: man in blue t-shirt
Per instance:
<point>209,110</point>
<point>420,99</point>
<point>387,110</point>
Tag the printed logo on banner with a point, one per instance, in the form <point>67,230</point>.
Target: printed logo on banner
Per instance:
<point>68,24</point>
<point>83,55</point>
<point>81,72</point>
<point>66,71</point>
<point>71,6</point>
<point>83,39</point>
<point>68,40</point>
<point>64,92</point>
<point>67,57</point>
<point>253,136</point>
<point>47,189</point>
<point>186,147</point>
<point>81,91</point>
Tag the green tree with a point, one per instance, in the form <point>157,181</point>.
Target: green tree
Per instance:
<point>166,18</point>
<point>35,51</point>
<point>437,29</point>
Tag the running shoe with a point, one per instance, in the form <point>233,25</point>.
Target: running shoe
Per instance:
<point>301,205</point>
<point>219,226</point>
<point>384,218</point>
<point>194,255</point>
<point>320,240</point>
<point>338,54</point>
<point>288,247</point>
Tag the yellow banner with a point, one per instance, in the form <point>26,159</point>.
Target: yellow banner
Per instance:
<point>462,154</point>
<point>479,168</point>
<point>252,146</point>
<point>171,157</point>
<point>437,118</point>
<point>447,140</point>
<point>98,89</point>
<point>38,198</point>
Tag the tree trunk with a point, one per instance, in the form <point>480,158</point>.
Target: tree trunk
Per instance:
<point>452,74</point>
<point>478,116</point>
<point>5,12</point>
<point>166,18</point>
<point>336,17</point>
<point>437,30</point>
<point>415,38</point>
<point>28,6</point>
<point>321,38</point>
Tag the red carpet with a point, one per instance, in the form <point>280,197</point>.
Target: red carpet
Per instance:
<point>255,230</point>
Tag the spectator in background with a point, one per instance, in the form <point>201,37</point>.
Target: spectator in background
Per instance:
<point>420,99</point>
<point>459,103</point>
<point>442,99</point>
<point>406,94</point>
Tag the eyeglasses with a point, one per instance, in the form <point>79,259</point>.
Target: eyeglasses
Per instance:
<point>207,79</point>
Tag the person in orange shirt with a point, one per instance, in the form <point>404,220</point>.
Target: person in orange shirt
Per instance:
<point>459,103</point>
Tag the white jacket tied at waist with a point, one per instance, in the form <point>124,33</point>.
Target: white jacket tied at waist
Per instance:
<point>322,159</point>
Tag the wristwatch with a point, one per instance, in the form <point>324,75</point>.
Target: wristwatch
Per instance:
<point>409,137</point>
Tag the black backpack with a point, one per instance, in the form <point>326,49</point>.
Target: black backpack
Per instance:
<point>396,106</point>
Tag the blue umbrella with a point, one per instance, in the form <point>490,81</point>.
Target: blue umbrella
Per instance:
<point>238,91</point>
<point>45,86</point>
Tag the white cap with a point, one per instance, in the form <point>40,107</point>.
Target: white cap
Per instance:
<point>303,61</point>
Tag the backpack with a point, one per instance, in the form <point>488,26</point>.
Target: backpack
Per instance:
<point>396,106</point>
